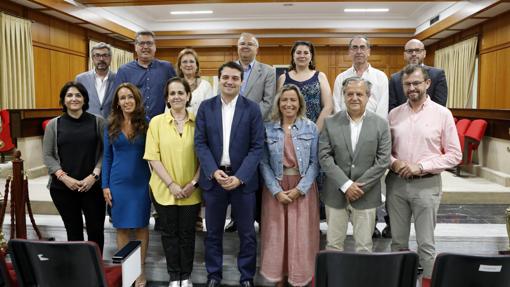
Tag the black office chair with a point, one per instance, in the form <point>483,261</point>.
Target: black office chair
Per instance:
<point>347,269</point>
<point>76,264</point>
<point>460,270</point>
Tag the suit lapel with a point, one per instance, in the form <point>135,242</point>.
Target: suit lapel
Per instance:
<point>238,114</point>
<point>109,89</point>
<point>92,90</point>
<point>346,128</point>
<point>254,75</point>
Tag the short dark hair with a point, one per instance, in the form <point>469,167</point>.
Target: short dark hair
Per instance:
<point>411,68</point>
<point>145,33</point>
<point>309,44</point>
<point>187,88</point>
<point>81,89</point>
<point>232,65</point>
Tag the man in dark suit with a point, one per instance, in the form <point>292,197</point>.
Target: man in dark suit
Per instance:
<point>354,153</point>
<point>414,53</point>
<point>229,139</point>
<point>259,85</point>
<point>99,82</point>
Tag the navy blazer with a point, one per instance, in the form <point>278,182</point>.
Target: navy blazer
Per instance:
<point>95,107</point>
<point>438,90</point>
<point>246,142</point>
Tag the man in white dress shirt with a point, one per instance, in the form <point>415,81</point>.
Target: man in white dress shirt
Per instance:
<point>359,51</point>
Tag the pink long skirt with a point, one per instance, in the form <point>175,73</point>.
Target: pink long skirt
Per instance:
<point>289,235</point>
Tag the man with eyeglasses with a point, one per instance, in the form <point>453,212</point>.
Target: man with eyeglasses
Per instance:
<point>425,143</point>
<point>259,85</point>
<point>414,53</point>
<point>148,74</point>
<point>99,81</point>
<point>359,51</point>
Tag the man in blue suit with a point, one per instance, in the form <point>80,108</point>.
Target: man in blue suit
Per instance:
<point>414,53</point>
<point>99,82</point>
<point>229,139</point>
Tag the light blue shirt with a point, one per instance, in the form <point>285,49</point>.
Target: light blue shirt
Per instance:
<point>246,76</point>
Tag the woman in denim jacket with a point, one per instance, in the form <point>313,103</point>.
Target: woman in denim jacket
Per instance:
<point>290,216</point>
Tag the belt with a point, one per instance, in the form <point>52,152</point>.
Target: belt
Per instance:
<point>290,171</point>
<point>227,169</point>
<point>427,175</point>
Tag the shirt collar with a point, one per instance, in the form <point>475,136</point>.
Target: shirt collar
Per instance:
<point>233,102</point>
<point>169,118</point>
<point>250,65</point>
<point>95,74</point>
<point>354,122</point>
<point>425,104</point>
<point>367,70</point>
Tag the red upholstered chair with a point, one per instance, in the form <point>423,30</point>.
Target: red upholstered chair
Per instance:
<point>6,144</point>
<point>45,123</point>
<point>462,126</point>
<point>472,138</point>
<point>76,264</point>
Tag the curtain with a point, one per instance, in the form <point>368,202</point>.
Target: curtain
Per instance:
<point>119,57</point>
<point>17,88</point>
<point>458,62</point>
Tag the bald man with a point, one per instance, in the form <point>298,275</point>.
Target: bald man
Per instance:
<point>414,53</point>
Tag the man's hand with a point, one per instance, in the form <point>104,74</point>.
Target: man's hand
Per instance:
<point>221,177</point>
<point>397,165</point>
<point>354,192</point>
<point>410,170</point>
<point>232,183</point>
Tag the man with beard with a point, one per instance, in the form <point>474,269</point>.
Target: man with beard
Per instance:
<point>148,74</point>
<point>425,143</point>
<point>414,53</point>
<point>99,82</point>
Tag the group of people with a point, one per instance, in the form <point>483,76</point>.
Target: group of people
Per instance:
<point>150,135</point>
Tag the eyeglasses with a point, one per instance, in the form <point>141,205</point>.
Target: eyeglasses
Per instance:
<point>414,84</point>
<point>145,43</point>
<point>411,51</point>
<point>99,56</point>
<point>361,48</point>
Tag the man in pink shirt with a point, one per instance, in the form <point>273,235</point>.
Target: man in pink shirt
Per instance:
<point>425,143</point>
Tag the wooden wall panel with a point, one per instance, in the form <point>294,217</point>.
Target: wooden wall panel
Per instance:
<point>77,65</point>
<point>42,78</point>
<point>330,60</point>
<point>59,34</point>
<point>59,65</point>
<point>496,32</point>
<point>40,27</point>
<point>77,40</point>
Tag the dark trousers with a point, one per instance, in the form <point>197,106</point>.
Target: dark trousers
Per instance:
<point>243,209</point>
<point>71,204</point>
<point>178,238</point>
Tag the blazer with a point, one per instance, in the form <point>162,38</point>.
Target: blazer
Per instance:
<point>95,107</point>
<point>367,164</point>
<point>246,142</point>
<point>438,90</point>
<point>261,87</point>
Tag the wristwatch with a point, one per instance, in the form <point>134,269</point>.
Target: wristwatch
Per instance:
<point>96,176</point>
<point>195,183</point>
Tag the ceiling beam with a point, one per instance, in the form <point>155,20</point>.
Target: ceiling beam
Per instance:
<point>475,7</point>
<point>91,18</point>
<point>268,42</point>
<point>108,3</point>
<point>287,31</point>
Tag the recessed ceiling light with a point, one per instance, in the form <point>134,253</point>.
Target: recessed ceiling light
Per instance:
<point>191,12</point>
<point>363,10</point>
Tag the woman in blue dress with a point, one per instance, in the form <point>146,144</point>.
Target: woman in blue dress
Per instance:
<point>313,84</point>
<point>125,173</point>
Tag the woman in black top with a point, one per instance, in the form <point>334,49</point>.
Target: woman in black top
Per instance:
<point>72,151</point>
